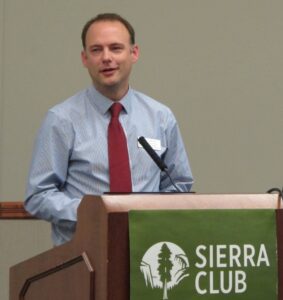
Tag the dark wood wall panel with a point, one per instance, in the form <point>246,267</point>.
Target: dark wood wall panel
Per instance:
<point>13,210</point>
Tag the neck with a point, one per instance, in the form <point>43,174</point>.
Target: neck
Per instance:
<point>112,93</point>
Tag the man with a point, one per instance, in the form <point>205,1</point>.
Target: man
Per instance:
<point>73,152</point>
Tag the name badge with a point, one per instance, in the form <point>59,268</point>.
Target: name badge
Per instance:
<point>154,143</point>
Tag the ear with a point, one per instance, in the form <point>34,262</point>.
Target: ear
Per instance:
<point>84,58</point>
<point>135,53</point>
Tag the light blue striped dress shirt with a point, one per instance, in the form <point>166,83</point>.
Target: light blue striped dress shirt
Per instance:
<point>70,157</point>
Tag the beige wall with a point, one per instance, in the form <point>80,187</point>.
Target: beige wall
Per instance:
<point>217,63</point>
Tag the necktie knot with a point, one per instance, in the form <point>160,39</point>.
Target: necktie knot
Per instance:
<point>116,109</point>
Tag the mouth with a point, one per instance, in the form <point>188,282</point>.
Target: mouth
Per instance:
<point>108,71</point>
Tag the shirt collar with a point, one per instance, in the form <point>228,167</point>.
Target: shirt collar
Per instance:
<point>103,103</point>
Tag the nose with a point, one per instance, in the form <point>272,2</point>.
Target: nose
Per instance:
<point>106,55</point>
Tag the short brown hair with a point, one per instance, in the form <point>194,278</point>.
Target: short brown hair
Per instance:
<point>108,17</point>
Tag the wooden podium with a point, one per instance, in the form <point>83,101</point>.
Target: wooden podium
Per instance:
<point>95,263</point>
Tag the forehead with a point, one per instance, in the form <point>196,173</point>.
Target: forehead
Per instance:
<point>103,32</point>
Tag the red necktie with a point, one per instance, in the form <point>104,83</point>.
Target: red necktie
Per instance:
<point>119,166</point>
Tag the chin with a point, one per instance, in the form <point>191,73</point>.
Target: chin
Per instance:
<point>111,83</point>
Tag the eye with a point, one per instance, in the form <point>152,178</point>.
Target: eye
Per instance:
<point>117,48</point>
<point>95,50</point>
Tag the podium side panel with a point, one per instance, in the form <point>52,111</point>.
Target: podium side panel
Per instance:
<point>279,220</point>
<point>72,280</point>
<point>118,281</point>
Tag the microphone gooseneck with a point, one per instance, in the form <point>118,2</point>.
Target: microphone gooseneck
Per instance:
<point>160,163</point>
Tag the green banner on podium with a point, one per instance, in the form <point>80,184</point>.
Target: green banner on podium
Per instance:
<point>203,254</point>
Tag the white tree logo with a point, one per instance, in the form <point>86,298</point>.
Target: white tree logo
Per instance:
<point>164,265</point>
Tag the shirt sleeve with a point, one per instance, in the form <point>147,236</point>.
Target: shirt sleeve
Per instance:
<point>177,161</point>
<point>45,196</point>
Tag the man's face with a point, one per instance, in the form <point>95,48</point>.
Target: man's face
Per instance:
<point>109,56</point>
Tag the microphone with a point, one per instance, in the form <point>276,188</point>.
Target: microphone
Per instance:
<point>160,163</point>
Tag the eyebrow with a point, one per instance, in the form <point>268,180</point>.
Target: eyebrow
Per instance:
<point>110,45</point>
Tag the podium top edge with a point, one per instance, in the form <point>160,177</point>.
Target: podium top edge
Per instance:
<point>140,201</point>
